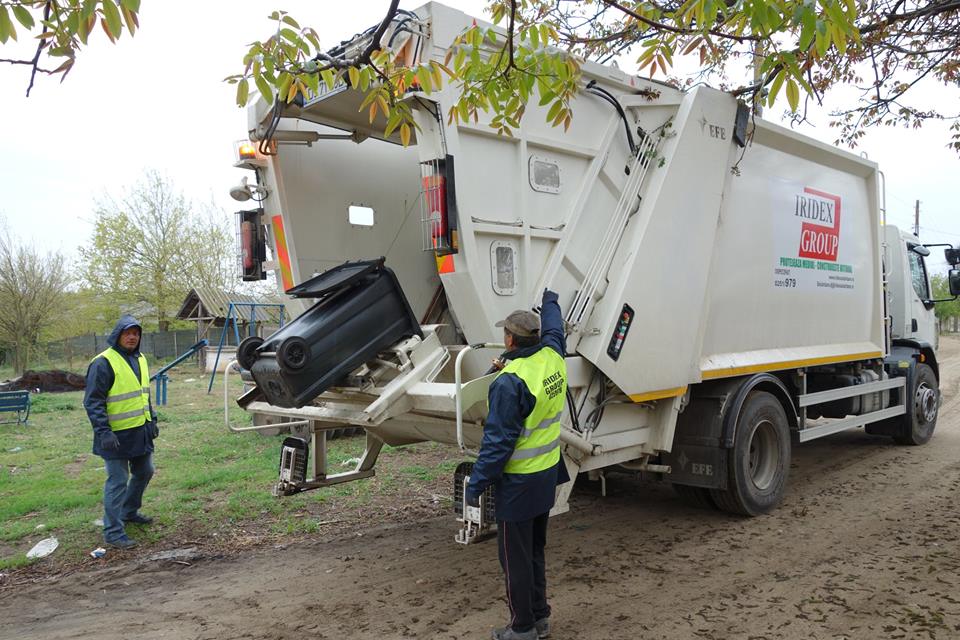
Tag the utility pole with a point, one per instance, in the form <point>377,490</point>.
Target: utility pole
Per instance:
<point>916,220</point>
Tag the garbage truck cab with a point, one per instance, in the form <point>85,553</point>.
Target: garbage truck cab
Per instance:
<point>729,287</point>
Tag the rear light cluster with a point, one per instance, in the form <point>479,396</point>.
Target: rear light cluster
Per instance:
<point>252,244</point>
<point>438,201</point>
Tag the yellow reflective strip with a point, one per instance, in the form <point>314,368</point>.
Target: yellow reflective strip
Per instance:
<point>526,454</point>
<point>125,396</point>
<point>117,417</point>
<point>657,395</point>
<point>545,423</point>
<point>787,364</point>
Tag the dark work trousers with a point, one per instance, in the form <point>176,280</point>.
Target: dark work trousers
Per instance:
<point>521,546</point>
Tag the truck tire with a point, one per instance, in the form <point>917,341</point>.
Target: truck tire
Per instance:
<point>695,496</point>
<point>759,462</point>
<point>916,427</point>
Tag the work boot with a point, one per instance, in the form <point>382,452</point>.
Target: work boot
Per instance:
<point>543,627</point>
<point>122,543</point>
<point>139,518</point>
<point>507,633</point>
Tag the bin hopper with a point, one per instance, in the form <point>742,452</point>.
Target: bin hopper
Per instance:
<point>360,311</point>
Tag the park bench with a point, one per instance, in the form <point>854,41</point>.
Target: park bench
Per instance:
<point>15,402</point>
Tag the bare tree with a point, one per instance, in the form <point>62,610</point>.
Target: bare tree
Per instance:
<point>32,288</point>
<point>152,246</point>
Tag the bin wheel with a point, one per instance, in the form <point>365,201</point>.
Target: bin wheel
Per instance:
<point>922,407</point>
<point>759,463</point>
<point>246,352</point>
<point>293,354</point>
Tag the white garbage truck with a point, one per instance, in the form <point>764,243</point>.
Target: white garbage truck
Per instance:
<point>730,288</point>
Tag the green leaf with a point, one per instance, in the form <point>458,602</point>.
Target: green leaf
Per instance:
<point>290,21</point>
<point>793,94</point>
<point>555,110</point>
<point>808,30</point>
<point>112,16</point>
<point>775,87</point>
<point>23,16</point>
<point>313,81</point>
<point>423,77</point>
<point>243,92</point>
<point>264,88</point>
<point>405,134</point>
<point>73,22</point>
<point>329,78</point>
<point>131,5</point>
<point>130,19</point>
<point>354,76</point>
<point>7,30</point>
<point>546,96</point>
<point>392,122</point>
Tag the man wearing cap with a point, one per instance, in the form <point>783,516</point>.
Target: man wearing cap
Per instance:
<point>117,401</point>
<point>520,456</point>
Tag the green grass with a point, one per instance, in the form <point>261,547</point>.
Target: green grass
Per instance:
<point>209,481</point>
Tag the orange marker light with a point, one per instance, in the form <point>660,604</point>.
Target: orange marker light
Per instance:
<point>246,151</point>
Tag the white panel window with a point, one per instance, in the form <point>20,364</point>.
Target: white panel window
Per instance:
<point>544,175</point>
<point>503,264</point>
<point>360,216</point>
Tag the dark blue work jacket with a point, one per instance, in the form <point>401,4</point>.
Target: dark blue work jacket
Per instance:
<point>133,442</point>
<point>519,496</point>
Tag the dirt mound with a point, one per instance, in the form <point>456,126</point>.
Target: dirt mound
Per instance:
<point>53,381</point>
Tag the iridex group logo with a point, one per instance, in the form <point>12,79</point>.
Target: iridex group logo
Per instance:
<point>820,231</point>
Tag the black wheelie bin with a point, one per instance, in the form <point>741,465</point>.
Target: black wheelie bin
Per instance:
<point>360,311</point>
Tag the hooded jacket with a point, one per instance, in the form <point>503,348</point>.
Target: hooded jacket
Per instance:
<point>133,442</point>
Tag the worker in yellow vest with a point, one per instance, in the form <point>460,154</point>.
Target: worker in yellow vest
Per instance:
<point>520,456</point>
<point>117,401</point>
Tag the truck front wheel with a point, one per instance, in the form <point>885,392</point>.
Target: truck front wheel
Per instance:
<point>922,408</point>
<point>759,462</point>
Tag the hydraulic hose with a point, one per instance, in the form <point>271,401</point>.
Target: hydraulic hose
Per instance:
<point>600,92</point>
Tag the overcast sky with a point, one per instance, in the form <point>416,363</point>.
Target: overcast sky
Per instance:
<point>158,101</point>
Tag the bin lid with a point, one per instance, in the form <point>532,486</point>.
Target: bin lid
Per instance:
<point>335,279</point>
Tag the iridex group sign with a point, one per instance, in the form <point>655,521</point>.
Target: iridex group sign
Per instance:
<point>811,234</point>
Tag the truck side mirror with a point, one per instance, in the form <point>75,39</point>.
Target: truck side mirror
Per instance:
<point>953,279</point>
<point>952,256</point>
<point>919,249</point>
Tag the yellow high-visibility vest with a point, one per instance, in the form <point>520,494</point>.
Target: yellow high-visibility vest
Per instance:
<point>128,401</point>
<point>545,375</point>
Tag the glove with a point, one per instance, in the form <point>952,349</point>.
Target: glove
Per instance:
<point>109,441</point>
<point>153,429</point>
<point>473,500</point>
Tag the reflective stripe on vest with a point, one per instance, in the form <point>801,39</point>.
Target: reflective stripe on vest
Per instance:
<point>128,400</point>
<point>545,376</point>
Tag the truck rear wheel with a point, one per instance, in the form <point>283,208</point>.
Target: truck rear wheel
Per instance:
<point>922,407</point>
<point>759,462</point>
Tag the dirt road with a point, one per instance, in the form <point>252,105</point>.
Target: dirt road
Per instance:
<point>866,545</point>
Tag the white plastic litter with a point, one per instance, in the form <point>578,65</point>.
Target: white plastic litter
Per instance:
<point>349,462</point>
<point>99,552</point>
<point>15,449</point>
<point>98,522</point>
<point>43,548</point>
<point>40,527</point>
